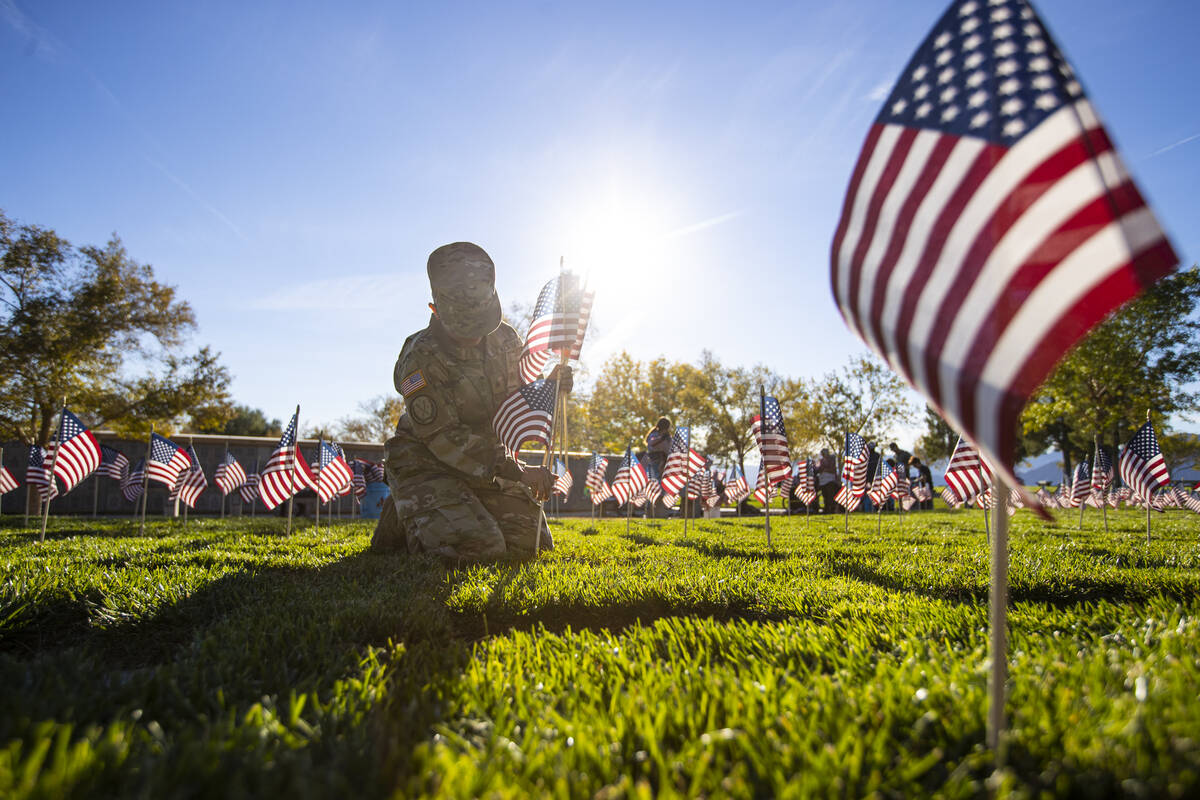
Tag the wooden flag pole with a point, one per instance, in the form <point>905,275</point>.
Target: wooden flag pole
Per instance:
<point>317,524</point>
<point>1147,495</point>
<point>986,527</point>
<point>95,491</point>
<point>254,500</point>
<point>292,471</point>
<point>1104,495</point>
<point>50,474</point>
<point>146,480</point>
<point>762,423</point>
<point>223,495</point>
<point>998,620</point>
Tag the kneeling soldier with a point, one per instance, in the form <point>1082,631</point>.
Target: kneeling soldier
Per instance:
<point>454,490</point>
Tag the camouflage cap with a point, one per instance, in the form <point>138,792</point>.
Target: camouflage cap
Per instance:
<point>462,277</point>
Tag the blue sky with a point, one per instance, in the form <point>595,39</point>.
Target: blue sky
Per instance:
<point>289,166</point>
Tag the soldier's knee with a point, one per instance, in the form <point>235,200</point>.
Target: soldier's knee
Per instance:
<point>389,534</point>
<point>458,532</point>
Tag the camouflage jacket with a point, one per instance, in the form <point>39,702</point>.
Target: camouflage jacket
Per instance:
<point>451,392</point>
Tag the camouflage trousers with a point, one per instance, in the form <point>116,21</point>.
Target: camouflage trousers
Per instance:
<point>435,511</point>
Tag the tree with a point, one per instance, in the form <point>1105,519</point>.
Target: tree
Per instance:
<point>628,398</point>
<point>376,423</point>
<point>244,421</point>
<point>866,398</point>
<point>1143,357</point>
<point>77,322</point>
<point>1180,450</point>
<point>939,438</point>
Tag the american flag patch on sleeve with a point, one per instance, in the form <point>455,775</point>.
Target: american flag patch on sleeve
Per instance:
<point>412,383</point>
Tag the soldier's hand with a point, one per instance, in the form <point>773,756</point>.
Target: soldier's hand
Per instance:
<point>565,377</point>
<point>540,481</point>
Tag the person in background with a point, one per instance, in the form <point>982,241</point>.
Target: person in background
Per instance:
<point>872,467</point>
<point>658,445</point>
<point>924,478</point>
<point>827,481</point>
<point>902,458</point>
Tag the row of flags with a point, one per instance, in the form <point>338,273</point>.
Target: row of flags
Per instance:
<point>77,454</point>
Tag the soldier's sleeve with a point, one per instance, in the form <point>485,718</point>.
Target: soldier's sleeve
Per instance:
<point>434,417</point>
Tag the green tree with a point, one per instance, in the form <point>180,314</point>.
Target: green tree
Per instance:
<point>1142,358</point>
<point>865,398</point>
<point>94,326</point>
<point>628,398</point>
<point>938,440</point>
<point>245,421</point>
<point>376,421</point>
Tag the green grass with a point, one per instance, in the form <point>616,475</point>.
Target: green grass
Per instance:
<point>225,659</point>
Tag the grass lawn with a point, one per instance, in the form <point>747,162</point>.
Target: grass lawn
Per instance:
<point>225,659</point>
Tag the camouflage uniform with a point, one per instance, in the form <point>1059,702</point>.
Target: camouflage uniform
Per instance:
<point>454,491</point>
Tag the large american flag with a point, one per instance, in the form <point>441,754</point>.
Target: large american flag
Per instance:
<point>1141,464</point>
<point>854,471</point>
<point>167,460</point>
<point>131,485</point>
<point>7,481</point>
<point>229,474</point>
<point>966,474</point>
<point>682,461</point>
<point>191,481</point>
<point>560,320</point>
<point>631,477</point>
<point>989,222</point>
<point>333,473</point>
<point>564,482</point>
<point>772,440</point>
<point>78,452</point>
<point>113,463</point>
<point>286,472</point>
<point>526,415</point>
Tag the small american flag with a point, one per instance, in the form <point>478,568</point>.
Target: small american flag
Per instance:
<point>736,488</point>
<point>951,498</point>
<point>1045,498</point>
<point>333,473</point>
<point>854,472</point>
<point>191,480</point>
<point>1102,470</point>
<point>372,472</point>
<point>113,463</point>
<point>131,486</point>
<point>682,461</point>
<point>595,483</point>
<point>1141,465</point>
<point>167,460</point>
<point>1081,485</point>
<point>249,490</point>
<point>7,481</point>
<point>989,222</point>
<point>805,488</point>
<point>764,491</point>
<point>229,474</point>
<point>560,320</point>
<point>286,472</point>
<point>884,483</point>
<point>631,477</point>
<point>772,440</point>
<point>564,482</point>
<point>78,452</point>
<point>526,415</point>
<point>358,481</point>
<point>966,474</point>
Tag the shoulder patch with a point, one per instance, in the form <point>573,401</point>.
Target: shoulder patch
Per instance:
<point>412,383</point>
<point>423,409</point>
